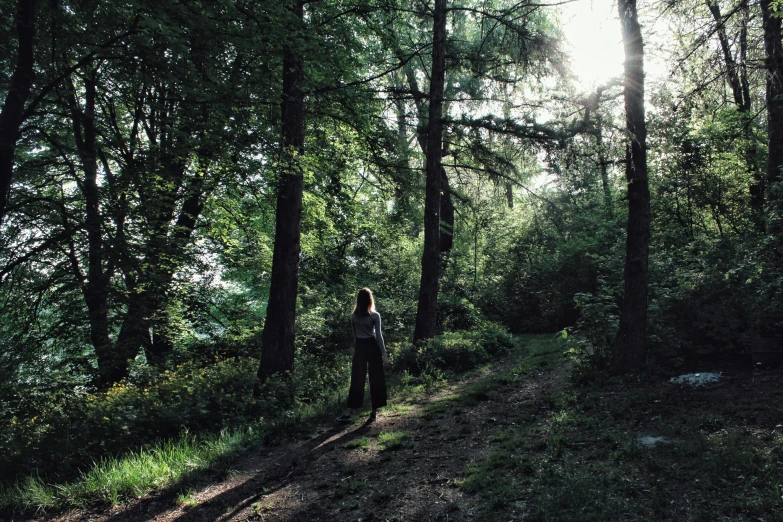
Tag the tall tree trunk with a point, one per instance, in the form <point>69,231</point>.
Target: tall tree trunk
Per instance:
<point>111,368</point>
<point>161,343</point>
<point>11,116</point>
<point>630,348</point>
<point>446,241</point>
<point>509,194</point>
<point>430,261</point>
<point>743,57</point>
<point>446,202</point>
<point>757,185</point>
<point>147,289</point>
<point>596,128</point>
<point>134,332</point>
<point>277,339</point>
<point>774,66</point>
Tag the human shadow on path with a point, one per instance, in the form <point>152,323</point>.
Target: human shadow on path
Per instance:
<point>277,466</point>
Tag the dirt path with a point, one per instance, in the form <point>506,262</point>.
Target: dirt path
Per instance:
<point>405,466</point>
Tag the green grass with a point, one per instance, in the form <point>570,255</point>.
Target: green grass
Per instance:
<point>187,499</point>
<point>113,481</point>
<point>485,478</point>
<point>397,409</point>
<point>362,443</point>
<point>393,440</point>
<point>175,464</point>
<point>160,466</point>
<point>580,458</point>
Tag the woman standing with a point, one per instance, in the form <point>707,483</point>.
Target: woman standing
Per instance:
<point>369,353</point>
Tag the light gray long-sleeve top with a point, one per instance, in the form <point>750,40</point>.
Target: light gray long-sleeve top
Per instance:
<point>367,327</point>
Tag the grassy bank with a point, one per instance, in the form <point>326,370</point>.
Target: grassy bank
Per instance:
<point>166,465</point>
<point>174,463</point>
<point>639,451</point>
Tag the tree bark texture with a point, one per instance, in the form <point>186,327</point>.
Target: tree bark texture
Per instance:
<point>446,241</point>
<point>277,339</point>
<point>446,202</point>
<point>510,195</point>
<point>757,186</point>
<point>162,256</point>
<point>774,67</point>
<point>172,204</point>
<point>430,261</point>
<point>630,348</point>
<point>12,114</point>
<point>111,367</point>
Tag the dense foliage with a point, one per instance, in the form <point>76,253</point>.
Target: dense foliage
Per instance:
<point>136,246</point>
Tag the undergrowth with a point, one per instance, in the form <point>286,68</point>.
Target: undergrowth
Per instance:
<point>113,481</point>
<point>635,452</point>
<point>132,414</point>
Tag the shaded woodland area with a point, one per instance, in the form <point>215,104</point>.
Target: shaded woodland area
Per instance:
<point>191,193</point>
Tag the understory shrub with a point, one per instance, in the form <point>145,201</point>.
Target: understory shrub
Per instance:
<point>493,337</point>
<point>68,431</point>
<point>716,301</point>
<point>456,313</point>
<point>590,341</point>
<point>537,292</point>
<point>77,428</point>
<point>711,301</point>
<point>455,352</point>
<point>64,433</point>
<point>451,352</point>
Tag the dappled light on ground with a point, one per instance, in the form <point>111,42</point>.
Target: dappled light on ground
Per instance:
<point>514,440</point>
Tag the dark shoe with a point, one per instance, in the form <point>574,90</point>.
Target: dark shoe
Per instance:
<point>345,418</point>
<point>371,418</point>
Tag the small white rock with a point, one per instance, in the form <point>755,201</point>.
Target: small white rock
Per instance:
<point>650,441</point>
<point>696,379</point>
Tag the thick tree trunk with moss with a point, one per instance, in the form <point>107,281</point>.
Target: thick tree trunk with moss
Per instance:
<point>21,83</point>
<point>277,339</point>
<point>430,261</point>
<point>630,348</point>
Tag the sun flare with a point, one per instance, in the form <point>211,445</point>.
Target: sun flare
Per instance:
<point>593,41</point>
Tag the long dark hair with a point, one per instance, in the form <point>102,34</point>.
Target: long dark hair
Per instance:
<point>365,304</point>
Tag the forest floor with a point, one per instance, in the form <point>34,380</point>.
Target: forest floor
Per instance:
<point>512,441</point>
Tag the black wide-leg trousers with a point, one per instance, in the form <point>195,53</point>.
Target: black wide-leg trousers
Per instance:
<point>367,355</point>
